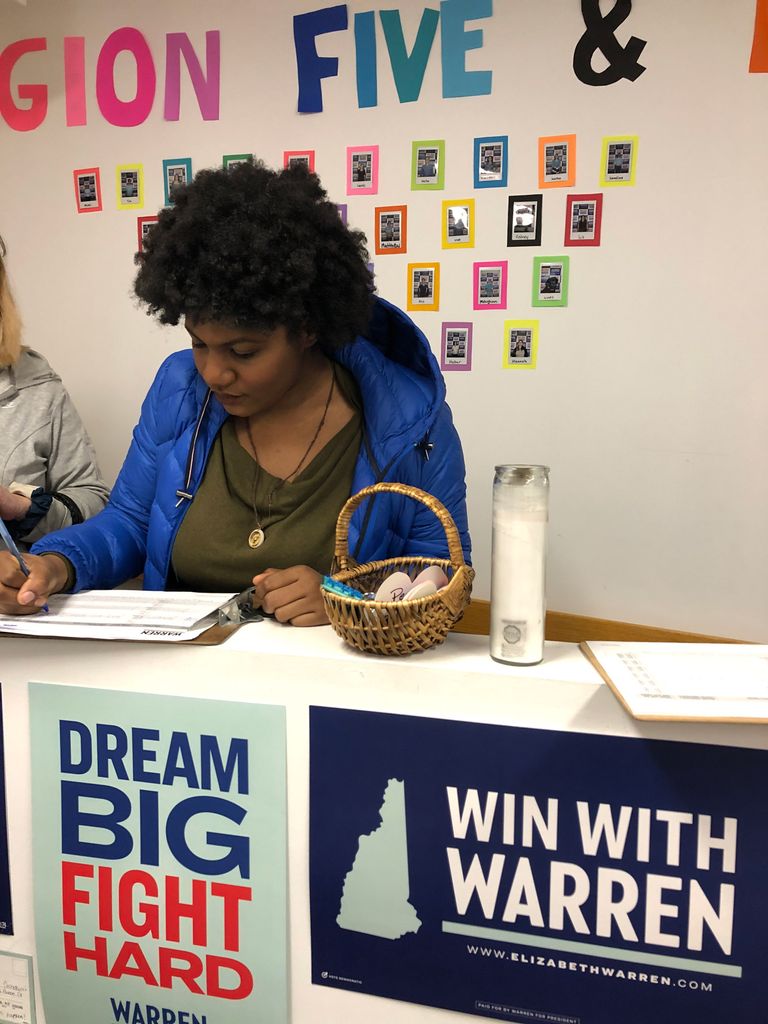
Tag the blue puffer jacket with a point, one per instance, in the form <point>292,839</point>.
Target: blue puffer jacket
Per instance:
<point>408,437</point>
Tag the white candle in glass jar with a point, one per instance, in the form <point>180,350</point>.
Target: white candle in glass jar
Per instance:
<point>518,563</point>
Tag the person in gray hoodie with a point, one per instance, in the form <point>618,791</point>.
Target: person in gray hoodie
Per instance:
<point>48,472</point>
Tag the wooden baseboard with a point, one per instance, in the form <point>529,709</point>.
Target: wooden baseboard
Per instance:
<point>569,628</point>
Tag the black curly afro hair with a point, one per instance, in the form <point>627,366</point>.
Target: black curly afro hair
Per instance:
<point>259,249</point>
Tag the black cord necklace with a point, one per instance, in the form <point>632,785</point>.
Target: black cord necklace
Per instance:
<point>257,536</point>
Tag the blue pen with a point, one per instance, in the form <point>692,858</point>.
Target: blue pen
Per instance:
<point>10,543</point>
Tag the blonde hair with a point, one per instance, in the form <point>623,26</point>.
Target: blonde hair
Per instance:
<point>10,321</point>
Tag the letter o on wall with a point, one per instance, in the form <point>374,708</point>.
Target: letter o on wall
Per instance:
<point>117,111</point>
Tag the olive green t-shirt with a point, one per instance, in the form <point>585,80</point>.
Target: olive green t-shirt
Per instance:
<point>211,551</point>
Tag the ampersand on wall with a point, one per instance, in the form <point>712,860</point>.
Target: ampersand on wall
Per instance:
<point>758,61</point>
<point>622,60</point>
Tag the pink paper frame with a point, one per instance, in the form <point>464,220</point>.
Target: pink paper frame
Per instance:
<point>373,188</point>
<point>476,268</point>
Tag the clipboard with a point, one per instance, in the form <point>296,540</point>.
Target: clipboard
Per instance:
<point>681,682</point>
<point>235,611</point>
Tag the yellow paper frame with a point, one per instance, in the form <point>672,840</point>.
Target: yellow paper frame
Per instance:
<point>139,204</point>
<point>526,325</point>
<point>469,241</point>
<point>605,181</point>
<point>413,303</point>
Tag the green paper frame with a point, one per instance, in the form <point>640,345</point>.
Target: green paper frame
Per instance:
<point>417,183</point>
<point>540,298</point>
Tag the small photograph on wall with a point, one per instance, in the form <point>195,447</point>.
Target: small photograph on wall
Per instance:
<point>362,170</point>
<point>342,208</point>
<point>490,285</point>
<point>299,158</point>
<point>176,173</point>
<point>521,343</point>
<point>618,160</point>
<point>88,189</point>
<point>524,220</point>
<point>557,161</point>
<point>391,229</point>
<point>144,226</point>
<point>233,160</point>
<point>424,286</point>
<point>490,163</point>
<point>456,346</point>
<point>550,281</point>
<point>130,186</point>
<point>584,219</point>
<point>458,223</point>
<point>428,164</point>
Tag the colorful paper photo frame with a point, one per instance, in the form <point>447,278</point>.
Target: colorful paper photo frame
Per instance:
<point>618,160</point>
<point>295,157</point>
<point>176,173</point>
<point>584,219</point>
<point>129,181</point>
<point>362,170</point>
<point>423,286</point>
<point>88,189</point>
<point>143,225</point>
<point>232,160</point>
<point>456,345</point>
<point>428,164</point>
<point>342,208</point>
<point>491,161</point>
<point>550,280</point>
<point>489,284</point>
<point>391,229</point>
<point>458,220</point>
<point>524,219</point>
<point>521,344</point>
<point>557,161</point>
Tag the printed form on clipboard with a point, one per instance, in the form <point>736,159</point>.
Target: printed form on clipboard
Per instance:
<point>686,682</point>
<point>165,616</point>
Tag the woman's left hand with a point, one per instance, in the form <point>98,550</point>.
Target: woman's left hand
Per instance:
<point>291,595</point>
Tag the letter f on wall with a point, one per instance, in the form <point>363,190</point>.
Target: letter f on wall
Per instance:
<point>312,68</point>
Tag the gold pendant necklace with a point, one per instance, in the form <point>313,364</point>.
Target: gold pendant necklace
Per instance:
<point>257,536</point>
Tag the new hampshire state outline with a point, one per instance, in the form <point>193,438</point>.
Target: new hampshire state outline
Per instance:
<point>375,899</point>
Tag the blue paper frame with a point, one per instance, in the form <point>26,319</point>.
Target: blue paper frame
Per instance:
<point>184,161</point>
<point>486,140</point>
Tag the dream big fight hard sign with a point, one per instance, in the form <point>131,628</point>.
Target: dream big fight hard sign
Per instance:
<point>159,857</point>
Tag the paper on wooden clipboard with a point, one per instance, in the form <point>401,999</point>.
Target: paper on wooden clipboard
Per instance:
<point>685,682</point>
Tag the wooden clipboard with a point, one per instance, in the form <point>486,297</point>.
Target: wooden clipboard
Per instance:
<point>702,719</point>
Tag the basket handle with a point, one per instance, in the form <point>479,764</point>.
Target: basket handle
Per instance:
<point>341,553</point>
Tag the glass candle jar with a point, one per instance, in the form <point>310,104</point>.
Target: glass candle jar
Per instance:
<point>518,563</point>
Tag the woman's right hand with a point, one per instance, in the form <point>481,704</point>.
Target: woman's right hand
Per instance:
<point>25,595</point>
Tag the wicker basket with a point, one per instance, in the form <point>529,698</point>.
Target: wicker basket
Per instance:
<point>397,627</point>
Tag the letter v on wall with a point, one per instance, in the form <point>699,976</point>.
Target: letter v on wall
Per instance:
<point>408,69</point>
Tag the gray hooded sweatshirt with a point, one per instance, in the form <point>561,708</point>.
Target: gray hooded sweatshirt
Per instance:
<point>43,443</point>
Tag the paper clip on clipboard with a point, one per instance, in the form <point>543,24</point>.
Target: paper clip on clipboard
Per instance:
<point>240,610</point>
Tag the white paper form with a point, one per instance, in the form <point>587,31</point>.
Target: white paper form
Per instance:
<point>716,682</point>
<point>17,1005</point>
<point>121,615</point>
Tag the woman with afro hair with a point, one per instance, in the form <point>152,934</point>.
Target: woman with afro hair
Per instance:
<point>300,388</point>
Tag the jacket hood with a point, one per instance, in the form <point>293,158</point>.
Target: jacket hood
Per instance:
<point>30,369</point>
<point>395,360</point>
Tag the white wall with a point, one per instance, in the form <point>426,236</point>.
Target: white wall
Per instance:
<point>648,401</point>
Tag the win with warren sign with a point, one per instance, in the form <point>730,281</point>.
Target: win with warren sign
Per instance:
<point>533,875</point>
